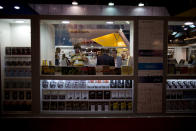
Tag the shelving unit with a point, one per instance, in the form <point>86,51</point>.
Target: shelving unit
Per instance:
<point>181,95</point>
<point>87,89</point>
<point>89,100</point>
<point>17,80</point>
<point>79,95</point>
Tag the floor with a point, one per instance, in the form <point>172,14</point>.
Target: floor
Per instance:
<point>100,124</point>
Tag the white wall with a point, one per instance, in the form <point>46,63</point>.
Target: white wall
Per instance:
<point>180,53</point>
<point>5,40</point>
<point>131,38</point>
<point>20,35</point>
<point>16,35</point>
<point>47,46</point>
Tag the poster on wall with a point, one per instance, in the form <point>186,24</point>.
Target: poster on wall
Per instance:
<point>62,36</point>
<point>70,34</point>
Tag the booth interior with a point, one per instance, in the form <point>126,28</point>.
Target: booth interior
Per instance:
<point>181,48</point>
<point>86,47</point>
<point>15,40</point>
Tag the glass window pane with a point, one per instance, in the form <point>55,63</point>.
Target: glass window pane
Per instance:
<point>86,47</point>
<point>84,96</point>
<point>181,48</point>
<point>15,40</point>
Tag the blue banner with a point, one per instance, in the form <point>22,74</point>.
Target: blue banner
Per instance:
<point>150,66</point>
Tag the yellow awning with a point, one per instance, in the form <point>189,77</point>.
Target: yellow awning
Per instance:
<point>110,40</point>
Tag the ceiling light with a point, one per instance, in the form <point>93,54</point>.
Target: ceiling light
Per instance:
<point>20,21</point>
<point>65,22</point>
<point>17,7</point>
<point>192,26</point>
<point>110,4</point>
<point>185,28</point>
<point>141,4</point>
<point>109,22</point>
<point>1,7</point>
<point>174,33</point>
<point>127,22</point>
<point>188,23</point>
<point>74,3</point>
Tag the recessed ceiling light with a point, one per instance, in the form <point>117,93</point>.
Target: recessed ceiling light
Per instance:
<point>188,23</point>
<point>141,4</point>
<point>20,21</point>
<point>127,22</point>
<point>17,7</point>
<point>192,26</point>
<point>109,22</point>
<point>65,22</point>
<point>1,7</point>
<point>174,33</point>
<point>110,4</point>
<point>74,3</point>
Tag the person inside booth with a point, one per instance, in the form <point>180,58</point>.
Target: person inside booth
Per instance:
<point>78,59</point>
<point>105,59</point>
<point>117,59</point>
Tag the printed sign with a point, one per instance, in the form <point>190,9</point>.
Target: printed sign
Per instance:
<point>150,66</point>
<point>151,53</point>
<point>150,72</point>
<point>151,79</point>
<point>150,59</point>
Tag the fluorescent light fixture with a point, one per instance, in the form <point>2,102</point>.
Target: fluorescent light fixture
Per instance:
<point>174,33</point>
<point>127,22</point>
<point>185,28</point>
<point>192,26</point>
<point>188,23</point>
<point>65,22</point>
<point>110,4</point>
<point>1,7</point>
<point>74,3</point>
<point>141,4</point>
<point>17,7</point>
<point>109,22</point>
<point>20,21</point>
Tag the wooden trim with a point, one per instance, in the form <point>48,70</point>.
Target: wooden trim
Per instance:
<point>181,76</point>
<point>35,32</point>
<point>165,66</point>
<point>86,77</point>
<point>135,57</point>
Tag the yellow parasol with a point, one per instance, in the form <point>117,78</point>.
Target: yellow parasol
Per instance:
<point>110,40</point>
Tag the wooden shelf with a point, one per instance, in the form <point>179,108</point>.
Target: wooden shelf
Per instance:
<point>84,112</point>
<point>181,99</point>
<point>181,89</point>
<point>181,76</point>
<point>86,89</point>
<point>18,100</point>
<point>86,77</point>
<point>18,78</point>
<point>20,67</point>
<point>17,89</point>
<point>87,100</point>
<point>19,56</point>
